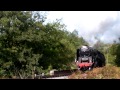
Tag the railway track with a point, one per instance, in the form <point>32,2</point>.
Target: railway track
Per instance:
<point>57,74</point>
<point>63,74</point>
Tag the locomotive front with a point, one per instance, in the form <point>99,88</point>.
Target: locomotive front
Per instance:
<point>84,58</point>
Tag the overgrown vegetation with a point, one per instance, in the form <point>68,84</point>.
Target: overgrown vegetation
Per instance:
<point>28,46</point>
<point>107,72</point>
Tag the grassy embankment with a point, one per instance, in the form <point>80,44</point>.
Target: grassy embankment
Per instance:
<point>107,72</point>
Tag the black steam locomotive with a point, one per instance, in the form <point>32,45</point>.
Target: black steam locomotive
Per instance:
<point>89,58</point>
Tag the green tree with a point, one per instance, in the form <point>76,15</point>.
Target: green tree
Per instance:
<point>115,52</point>
<point>18,38</point>
<point>28,46</point>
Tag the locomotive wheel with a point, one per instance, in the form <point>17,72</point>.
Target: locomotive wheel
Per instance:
<point>90,68</point>
<point>103,63</point>
<point>95,64</point>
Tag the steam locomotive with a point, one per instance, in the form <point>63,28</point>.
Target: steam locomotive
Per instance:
<point>88,58</point>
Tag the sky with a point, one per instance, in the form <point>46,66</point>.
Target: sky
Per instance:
<point>104,25</point>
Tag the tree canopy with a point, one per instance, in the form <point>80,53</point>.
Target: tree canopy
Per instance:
<point>28,46</point>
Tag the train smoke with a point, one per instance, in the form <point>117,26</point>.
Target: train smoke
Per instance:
<point>107,31</point>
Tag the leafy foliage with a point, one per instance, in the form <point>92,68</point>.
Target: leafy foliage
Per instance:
<point>28,46</point>
<point>115,52</point>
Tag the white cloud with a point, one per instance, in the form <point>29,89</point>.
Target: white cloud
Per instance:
<point>88,23</point>
<point>85,19</point>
